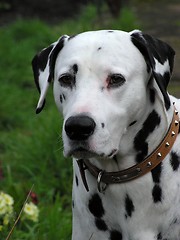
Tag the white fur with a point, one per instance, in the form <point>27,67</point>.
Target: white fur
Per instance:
<point>116,108</point>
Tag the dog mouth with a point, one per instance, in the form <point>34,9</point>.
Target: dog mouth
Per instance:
<point>85,152</point>
<point>81,152</point>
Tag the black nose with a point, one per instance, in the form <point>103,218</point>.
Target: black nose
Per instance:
<point>79,127</point>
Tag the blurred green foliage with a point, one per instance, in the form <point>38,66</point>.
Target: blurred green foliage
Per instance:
<point>30,145</point>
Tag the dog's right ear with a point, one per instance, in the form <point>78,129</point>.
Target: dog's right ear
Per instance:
<point>43,68</point>
<point>159,57</point>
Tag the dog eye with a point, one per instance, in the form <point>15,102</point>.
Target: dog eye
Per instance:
<point>67,80</point>
<point>115,80</point>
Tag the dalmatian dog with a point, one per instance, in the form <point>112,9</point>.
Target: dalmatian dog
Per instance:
<point>111,87</point>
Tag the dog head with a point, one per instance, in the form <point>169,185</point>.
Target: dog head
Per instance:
<point>100,85</point>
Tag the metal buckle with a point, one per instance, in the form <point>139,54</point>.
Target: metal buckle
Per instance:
<point>101,186</point>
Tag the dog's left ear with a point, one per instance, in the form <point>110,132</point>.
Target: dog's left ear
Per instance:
<point>159,57</point>
<point>43,68</point>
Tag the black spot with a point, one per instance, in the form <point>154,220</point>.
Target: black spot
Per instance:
<point>175,161</point>
<point>167,77</point>
<point>100,224</point>
<point>140,144</point>
<point>140,43</point>
<point>115,159</point>
<point>156,173</point>
<point>38,110</point>
<point>53,57</point>
<point>110,31</point>
<point>162,81</point>
<point>72,203</point>
<point>112,153</point>
<point>44,57</point>
<point>159,236</point>
<point>61,99</point>
<point>152,95</point>
<point>39,62</point>
<point>71,37</point>
<point>77,181</point>
<point>102,124</point>
<point>157,193</point>
<point>174,221</point>
<point>95,206</point>
<point>75,68</point>
<point>132,123</point>
<point>129,206</point>
<point>99,48</point>
<point>102,89</point>
<point>64,97</point>
<point>143,153</point>
<point>153,48</point>
<point>115,235</point>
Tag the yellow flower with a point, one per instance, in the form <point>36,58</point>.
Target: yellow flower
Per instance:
<point>6,203</point>
<point>6,219</point>
<point>2,206</point>
<point>31,212</point>
<point>8,199</point>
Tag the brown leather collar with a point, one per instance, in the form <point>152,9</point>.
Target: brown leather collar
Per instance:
<point>157,156</point>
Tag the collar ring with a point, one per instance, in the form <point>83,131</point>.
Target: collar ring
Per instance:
<point>101,186</point>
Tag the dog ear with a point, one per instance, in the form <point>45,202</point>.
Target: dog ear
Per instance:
<point>159,57</point>
<point>43,68</point>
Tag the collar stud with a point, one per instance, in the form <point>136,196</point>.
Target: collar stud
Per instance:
<point>176,122</point>
<point>149,164</point>
<point>173,133</point>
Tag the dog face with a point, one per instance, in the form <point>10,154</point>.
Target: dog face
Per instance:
<point>96,81</point>
<point>100,86</point>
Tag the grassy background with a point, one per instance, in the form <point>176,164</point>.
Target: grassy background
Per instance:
<point>31,145</point>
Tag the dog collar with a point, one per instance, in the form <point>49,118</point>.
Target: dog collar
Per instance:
<point>156,157</point>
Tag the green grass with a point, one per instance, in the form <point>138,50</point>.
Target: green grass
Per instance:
<point>31,145</point>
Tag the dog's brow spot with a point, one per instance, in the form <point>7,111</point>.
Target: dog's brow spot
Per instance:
<point>99,48</point>
<point>75,68</point>
<point>103,125</point>
<point>95,206</point>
